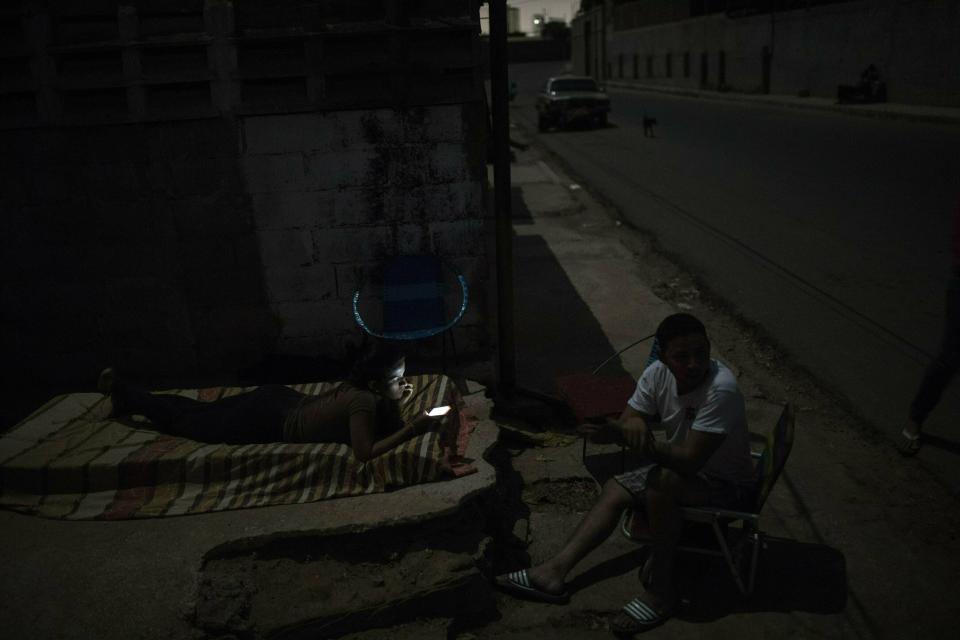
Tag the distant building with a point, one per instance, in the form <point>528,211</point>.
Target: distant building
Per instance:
<point>538,21</point>
<point>513,19</point>
<point>801,47</point>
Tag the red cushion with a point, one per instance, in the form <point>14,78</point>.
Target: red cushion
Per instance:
<point>591,397</point>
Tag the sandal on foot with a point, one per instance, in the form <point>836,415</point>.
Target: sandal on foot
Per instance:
<point>518,583</point>
<point>637,616</point>
<point>909,443</point>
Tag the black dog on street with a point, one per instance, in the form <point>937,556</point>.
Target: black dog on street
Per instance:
<point>648,123</point>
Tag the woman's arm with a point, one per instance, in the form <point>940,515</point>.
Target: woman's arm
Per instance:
<point>363,435</point>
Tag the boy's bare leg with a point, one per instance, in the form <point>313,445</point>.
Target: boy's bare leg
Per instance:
<point>596,526</point>
<point>665,494</point>
<point>664,521</point>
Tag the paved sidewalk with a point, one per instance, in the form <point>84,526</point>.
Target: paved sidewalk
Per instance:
<point>866,544</point>
<point>889,110</point>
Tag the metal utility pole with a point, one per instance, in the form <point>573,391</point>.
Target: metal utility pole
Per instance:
<point>773,33</point>
<point>603,40</point>
<point>499,97</point>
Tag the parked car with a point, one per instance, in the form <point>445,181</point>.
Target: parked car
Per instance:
<point>569,99</point>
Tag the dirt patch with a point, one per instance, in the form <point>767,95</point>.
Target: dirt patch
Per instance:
<point>417,630</point>
<point>331,585</point>
<point>561,496</point>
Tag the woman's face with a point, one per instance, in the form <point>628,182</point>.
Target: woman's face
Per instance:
<point>395,384</point>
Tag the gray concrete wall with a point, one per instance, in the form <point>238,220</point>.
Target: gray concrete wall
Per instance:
<point>912,42</point>
<point>742,43</point>
<point>200,246</point>
<point>332,195</point>
<point>586,43</point>
<point>190,189</point>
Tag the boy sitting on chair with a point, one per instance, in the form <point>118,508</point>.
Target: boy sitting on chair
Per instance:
<point>704,459</point>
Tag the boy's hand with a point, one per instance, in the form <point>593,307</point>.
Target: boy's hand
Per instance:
<point>604,433</point>
<point>637,436</point>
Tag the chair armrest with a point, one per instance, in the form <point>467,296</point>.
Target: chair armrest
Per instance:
<point>710,514</point>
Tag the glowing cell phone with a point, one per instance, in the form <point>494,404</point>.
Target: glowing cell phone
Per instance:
<point>438,411</point>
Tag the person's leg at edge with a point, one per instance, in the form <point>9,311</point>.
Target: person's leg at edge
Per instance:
<point>252,417</point>
<point>161,409</point>
<point>938,374</point>
<point>594,528</point>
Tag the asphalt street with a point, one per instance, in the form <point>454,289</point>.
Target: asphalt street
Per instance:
<point>829,231</point>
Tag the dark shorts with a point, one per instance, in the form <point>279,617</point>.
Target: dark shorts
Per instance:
<point>719,493</point>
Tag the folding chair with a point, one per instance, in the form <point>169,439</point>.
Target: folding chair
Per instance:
<point>591,397</point>
<point>771,461</point>
<point>407,299</point>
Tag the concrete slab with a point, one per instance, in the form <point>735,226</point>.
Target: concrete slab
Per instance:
<point>139,579</point>
<point>533,172</point>
<point>551,198</point>
<point>587,245</point>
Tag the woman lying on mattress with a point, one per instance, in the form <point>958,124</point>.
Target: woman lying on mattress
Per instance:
<point>363,412</point>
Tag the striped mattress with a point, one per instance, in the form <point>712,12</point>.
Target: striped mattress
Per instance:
<point>69,460</point>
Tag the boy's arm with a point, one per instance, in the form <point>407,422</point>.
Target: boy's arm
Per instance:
<point>686,458</point>
<point>705,436</point>
<point>631,428</point>
<point>634,428</point>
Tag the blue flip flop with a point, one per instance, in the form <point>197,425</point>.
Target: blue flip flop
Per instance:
<point>518,583</point>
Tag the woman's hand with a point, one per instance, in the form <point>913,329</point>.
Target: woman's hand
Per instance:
<point>423,424</point>
<point>406,391</point>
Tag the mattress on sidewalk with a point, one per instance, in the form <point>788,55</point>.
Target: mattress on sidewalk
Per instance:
<point>69,460</point>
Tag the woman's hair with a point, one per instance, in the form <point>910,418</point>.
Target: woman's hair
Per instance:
<point>375,362</point>
<point>676,326</point>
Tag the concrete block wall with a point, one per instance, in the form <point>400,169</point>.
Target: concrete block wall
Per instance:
<point>914,43</point>
<point>742,47</point>
<point>586,42</point>
<point>161,216</point>
<point>634,14</point>
<point>335,194</point>
<point>130,244</point>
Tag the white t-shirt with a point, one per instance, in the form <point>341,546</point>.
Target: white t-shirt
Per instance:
<point>716,406</point>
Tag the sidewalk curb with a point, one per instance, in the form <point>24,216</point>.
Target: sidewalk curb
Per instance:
<point>863,111</point>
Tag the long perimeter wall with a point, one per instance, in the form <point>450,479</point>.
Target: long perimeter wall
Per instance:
<point>914,43</point>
